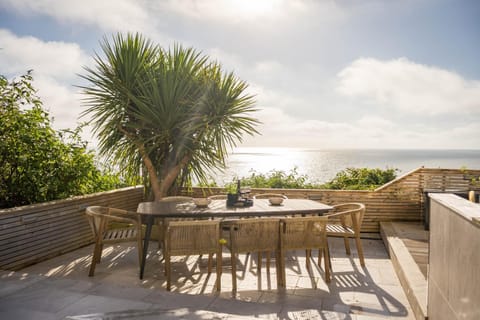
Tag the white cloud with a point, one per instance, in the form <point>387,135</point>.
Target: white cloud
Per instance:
<point>375,122</point>
<point>282,130</point>
<point>107,14</point>
<point>409,86</point>
<point>55,66</point>
<point>48,58</point>
<point>231,11</point>
<point>63,102</point>
<point>263,14</point>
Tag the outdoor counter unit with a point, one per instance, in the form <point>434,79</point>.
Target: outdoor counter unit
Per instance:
<point>454,258</point>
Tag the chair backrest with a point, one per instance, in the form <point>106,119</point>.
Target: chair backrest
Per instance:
<point>95,216</point>
<point>253,234</point>
<point>303,232</point>
<point>192,237</point>
<point>269,195</point>
<point>101,219</point>
<point>349,214</point>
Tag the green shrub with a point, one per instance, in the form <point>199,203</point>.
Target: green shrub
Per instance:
<point>276,179</point>
<point>38,164</point>
<point>361,179</point>
<point>348,179</point>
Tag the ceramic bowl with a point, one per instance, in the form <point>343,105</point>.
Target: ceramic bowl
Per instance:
<point>275,201</point>
<point>202,202</point>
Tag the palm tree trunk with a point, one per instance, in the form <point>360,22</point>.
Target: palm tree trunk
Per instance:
<point>171,174</point>
<point>152,173</point>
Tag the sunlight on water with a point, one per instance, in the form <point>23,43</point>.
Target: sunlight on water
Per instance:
<point>267,159</point>
<point>322,165</point>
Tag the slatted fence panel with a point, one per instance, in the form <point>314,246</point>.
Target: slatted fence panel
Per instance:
<point>34,233</point>
<point>399,200</point>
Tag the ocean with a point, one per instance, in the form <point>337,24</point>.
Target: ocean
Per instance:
<point>322,165</point>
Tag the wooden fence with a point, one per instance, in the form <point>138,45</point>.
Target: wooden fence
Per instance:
<point>38,232</point>
<point>402,199</point>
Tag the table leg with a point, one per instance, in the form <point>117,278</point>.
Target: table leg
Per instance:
<point>148,232</point>
<point>279,268</point>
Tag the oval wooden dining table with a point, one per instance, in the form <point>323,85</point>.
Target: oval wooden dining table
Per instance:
<point>219,209</point>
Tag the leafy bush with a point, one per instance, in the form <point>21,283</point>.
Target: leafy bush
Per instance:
<point>37,163</point>
<point>348,179</point>
<point>277,179</point>
<point>361,179</point>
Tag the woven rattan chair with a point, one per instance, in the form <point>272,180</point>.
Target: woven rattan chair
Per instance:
<point>193,237</point>
<point>268,196</point>
<point>251,235</point>
<point>304,233</point>
<point>105,222</point>
<point>162,223</point>
<point>346,221</point>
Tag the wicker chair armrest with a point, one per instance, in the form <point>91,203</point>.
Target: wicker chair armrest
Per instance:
<point>133,216</point>
<point>123,219</point>
<point>338,214</point>
<point>345,209</point>
<point>118,218</point>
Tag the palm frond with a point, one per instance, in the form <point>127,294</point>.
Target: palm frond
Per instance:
<point>174,103</point>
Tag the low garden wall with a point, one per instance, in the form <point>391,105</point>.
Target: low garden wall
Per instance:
<point>34,233</point>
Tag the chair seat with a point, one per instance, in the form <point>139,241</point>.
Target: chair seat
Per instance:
<point>350,218</point>
<point>109,226</point>
<point>126,234</point>
<point>339,230</point>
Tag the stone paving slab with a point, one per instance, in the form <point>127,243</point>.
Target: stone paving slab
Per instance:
<point>60,288</point>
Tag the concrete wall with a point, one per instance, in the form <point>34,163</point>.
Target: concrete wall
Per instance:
<point>454,258</point>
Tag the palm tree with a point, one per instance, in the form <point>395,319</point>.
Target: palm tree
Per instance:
<point>173,113</point>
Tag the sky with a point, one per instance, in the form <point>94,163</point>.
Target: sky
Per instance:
<point>396,74</point>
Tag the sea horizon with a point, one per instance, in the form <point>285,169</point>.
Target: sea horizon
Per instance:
<point>321,165</point>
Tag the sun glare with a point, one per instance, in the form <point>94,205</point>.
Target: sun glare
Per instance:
<point>254,7</point>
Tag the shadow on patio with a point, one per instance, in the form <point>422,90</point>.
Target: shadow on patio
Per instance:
<point>60,288</point>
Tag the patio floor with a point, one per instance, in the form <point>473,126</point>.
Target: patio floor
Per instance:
<point>60,288</point>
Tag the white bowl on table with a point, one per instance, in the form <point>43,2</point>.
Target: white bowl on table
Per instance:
<point>275,201</point>
<point>202,202</point>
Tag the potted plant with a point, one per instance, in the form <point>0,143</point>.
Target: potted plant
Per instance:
<point>232,193</point>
